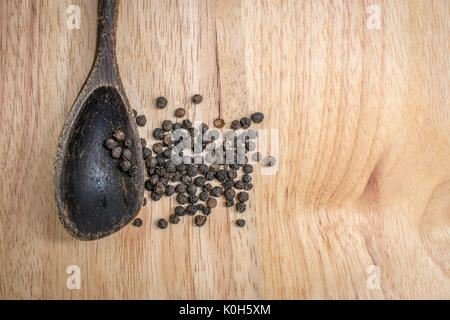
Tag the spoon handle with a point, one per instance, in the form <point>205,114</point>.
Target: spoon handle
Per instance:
<point>105,62</point>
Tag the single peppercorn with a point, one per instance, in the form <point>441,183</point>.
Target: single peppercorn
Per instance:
<point>191,189</point>
<point>203,169</point>
<point>203,196</point>
<point>219,123</point>
<point>232,174</point>
<point>174,219</point>
<point>241,207</point>
<point>119,135</point>
<point>240,223</point>
<point>158,133</point>
<point>245,123</point>
<point>191,209</point>
<point>179,211</point>
<point>182,198</point>
<point>229,203</point>
<point>167,125</point>
<point>193,198</point>
<point>110,144</point>
<point>192,171</point>
<point>200,220</point>
<point>116,152</point>
<point>248,186</point>
<point>126,154</point>
<point>209,176</point>
<point>248,168</point>
<point>206,210</point>
<point>158,148</point>
<point>200,181</point>
<point>197,98</point>
<point>242,196</point>
<point>141,120</point>
<point>216,191</point>
<point>137,222</point>
<point>146,152</point>
<point>149,185</point>
<point>162,223</point>
<point>133,171</point>
<point>170,190</point>
<point>239,185</point>
<point>221,175</point>
<point>186,124</point>
<point>159,188</point>
<point>229,183</point>
<point>229,194</point>
<point>246,178</point>
<point>235,124</point>
<point>257,117</point>
<point>212,203</point>
<point>128,143</point>
<point>125,165</point>
<point>161,102</point>
<point>176,126</point>
<point>155,196</point>
<point>179,113</point>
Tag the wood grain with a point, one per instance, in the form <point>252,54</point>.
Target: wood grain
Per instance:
<point>363,124</point>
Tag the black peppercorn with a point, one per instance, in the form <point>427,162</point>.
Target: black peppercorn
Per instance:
<point>197,98</point>
<point>200,181</point>
<point>141,120</point>
<point>182,198</point>
<point>125,165</point>
<point>229,203</point>
<point>128,143</point>
<point>191,189</point>
<point>235,124</point>
<point>229,194</point>
<point>192,170</point>
<point>116,152</point>
<point>155,196</point>
<point>248,168</point>
<point>200,220</point>
<point>193,198</point>
<point>240,223</point>
<point>241,207</point>
<point>191,210</point>
<point>229,183</point>
<point>245,123</point>
<point>203,196</point>
<point>137,222</point>
<point>146,152</point>
<point>119,135</point>
<point>257,117</point>
<point>158,133</point>
<point>239,185</point>
<point>158,148</point>
<point>203,169</point>
<point>174,219</point>
<point>242,196</point>
<point>186,124</point>
<point>170,190</point>
<point>110,144</point>
<point>149,185</point>
<point>162,223</point>
<point>167,125</point>
<point>161,102</point>
<point>179,211</point>
<point>216,191</point>
<point>246,178</point>
<point>248,186</point>
<point>221,175</point>
<point>232,174</point>
<point>206,210</point>
<point>126,154</point>
<point>159,188</point>
<point>209,176</point>
<point>176,126</point>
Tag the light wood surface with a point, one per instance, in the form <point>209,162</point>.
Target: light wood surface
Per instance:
<point>363,123</point>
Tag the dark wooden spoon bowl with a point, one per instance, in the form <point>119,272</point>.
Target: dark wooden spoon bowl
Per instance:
<point>94,197</point>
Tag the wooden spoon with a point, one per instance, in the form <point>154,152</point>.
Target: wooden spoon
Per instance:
<point>93,196</point>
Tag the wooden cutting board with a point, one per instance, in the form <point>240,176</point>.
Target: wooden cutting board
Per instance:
<point>357,109</point>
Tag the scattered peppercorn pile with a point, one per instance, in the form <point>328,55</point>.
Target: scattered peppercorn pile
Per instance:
<point>196,164</point>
